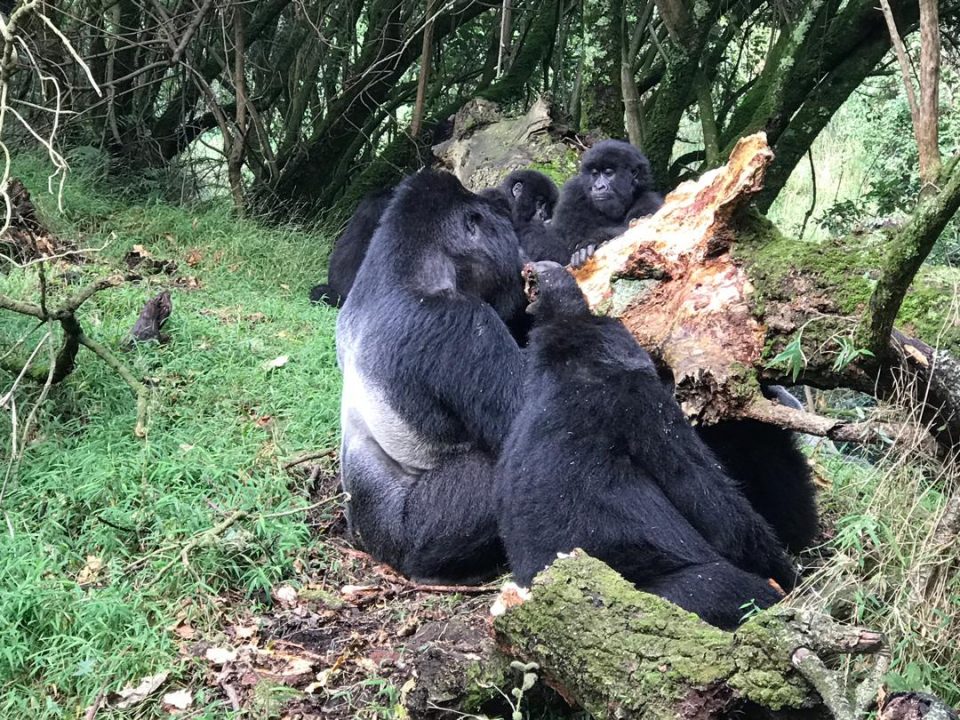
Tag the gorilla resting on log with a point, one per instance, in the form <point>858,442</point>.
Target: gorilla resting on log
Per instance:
<point>601,457</point>
<point>431,380</point>
<point>614,187</point>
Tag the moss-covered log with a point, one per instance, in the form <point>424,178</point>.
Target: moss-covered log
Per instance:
<point>621,653</point>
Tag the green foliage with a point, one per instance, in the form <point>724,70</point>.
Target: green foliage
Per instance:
<point>867,168</point>
<point>847,353</point>
<point>221,426</point>
<point>885,567</point>
<point>791,358</point>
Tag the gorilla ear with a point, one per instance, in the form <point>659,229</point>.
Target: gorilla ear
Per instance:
<point>471,221</point>
<point>517,189</point>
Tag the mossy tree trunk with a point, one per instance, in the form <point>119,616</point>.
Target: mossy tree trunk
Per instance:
<point>602,99</point>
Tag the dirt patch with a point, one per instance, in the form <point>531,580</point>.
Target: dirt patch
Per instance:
<point>353,639</point>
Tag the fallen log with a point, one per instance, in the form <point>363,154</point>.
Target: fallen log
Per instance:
<point>723,299</point>
<point>621,653</point>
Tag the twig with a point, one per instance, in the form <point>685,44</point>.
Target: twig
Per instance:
<point>73,303</point>
<point>206,537</point>
<point>138,388</point>
<point>812,424</point>
<point>317,455</point>
<point>73,53</point>
<point>203,539</point>
<point>305,508</point>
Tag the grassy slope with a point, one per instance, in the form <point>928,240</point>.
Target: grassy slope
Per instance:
<point>211,451</point>
<point>219,430</point>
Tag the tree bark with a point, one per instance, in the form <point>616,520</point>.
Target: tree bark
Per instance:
<point>724,300</point>
<point>424,76</point>
<point>621,653</point>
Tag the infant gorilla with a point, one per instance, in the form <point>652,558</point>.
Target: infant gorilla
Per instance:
<point>601,457</point>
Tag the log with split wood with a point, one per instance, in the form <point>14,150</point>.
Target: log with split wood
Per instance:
<point>715,292</point>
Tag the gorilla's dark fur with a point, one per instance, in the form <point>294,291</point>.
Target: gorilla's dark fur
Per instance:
<point>350,248</point>
<point>601,457</point>
<point>432,380</point>
<point>530,197</point>
<point>527,196</point>
<point>613,187</point>
<point>771,470</point>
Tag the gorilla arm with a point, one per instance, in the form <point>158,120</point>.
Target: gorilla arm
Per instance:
<point>473,366</point>
<point>647,203</point>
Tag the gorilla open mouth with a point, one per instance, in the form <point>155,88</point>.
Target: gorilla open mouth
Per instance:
<point>531,286</point>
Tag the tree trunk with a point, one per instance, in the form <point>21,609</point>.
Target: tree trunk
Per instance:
<point>928,143</point>
<point>724,300</point>
<point>421,100</point>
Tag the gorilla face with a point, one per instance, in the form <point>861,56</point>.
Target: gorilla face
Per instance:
<point>551,291</point>
<point>487,254</point>
<point>532,196</point>
<point>613,173</point>
<point>609,189</point>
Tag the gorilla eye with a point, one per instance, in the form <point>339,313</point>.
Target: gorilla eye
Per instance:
<point>594,172</point>
<point>608,172</point>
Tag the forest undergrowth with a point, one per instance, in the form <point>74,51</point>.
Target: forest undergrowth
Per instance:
<point>108,571</point>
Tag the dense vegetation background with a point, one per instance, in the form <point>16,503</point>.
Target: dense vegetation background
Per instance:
<point>233,138</point>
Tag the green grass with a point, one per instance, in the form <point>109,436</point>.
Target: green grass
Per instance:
<point>892,566</point>
<point>220,427</point>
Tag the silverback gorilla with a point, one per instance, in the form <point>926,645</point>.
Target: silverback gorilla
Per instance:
<point>614,186</point>
<point>526,195</point>
<point>431,380</point>
<point>601,457</point>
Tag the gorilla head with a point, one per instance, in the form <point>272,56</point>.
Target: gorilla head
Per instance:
<point>552,292</point>
<point>531,194</point>
<point>612,188</point>
<point>614,173</point>
<point>456,239</point>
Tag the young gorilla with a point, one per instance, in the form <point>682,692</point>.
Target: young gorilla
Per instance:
<point>771,470</point>
<point>532,197</point>
<point>350,248</point>
<point>431,381</point>
<point>614,186</point>
<point>601,457</point>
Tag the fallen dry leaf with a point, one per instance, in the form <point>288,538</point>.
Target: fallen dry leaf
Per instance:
<point>352,592</point>
<point>178,700</point>
<point>285,595</point>
<point>277,362</point>
<point>90,572</point>
<point>131,696</point>
<point>220,656</point>
<point>185,631</point>
<point>244,632</point>
<point>194,257</point>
